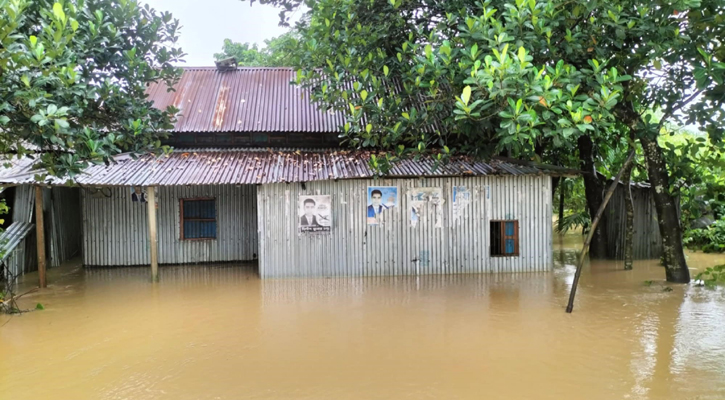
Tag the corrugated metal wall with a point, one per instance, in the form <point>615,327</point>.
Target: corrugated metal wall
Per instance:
<point>24,259</point>
<point>647,240</point>
<point>61,211</point>
<point>353,248</point>
<point>63,224</point>
<point>116,229</point>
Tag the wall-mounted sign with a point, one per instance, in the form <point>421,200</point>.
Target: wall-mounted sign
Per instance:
<point>380,200</point>
<point>427,204</point>
<point>315,214</point>
<point>461,200</point>
<point>138,194</point>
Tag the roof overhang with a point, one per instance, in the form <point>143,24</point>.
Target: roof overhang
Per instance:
<point>185,167</point>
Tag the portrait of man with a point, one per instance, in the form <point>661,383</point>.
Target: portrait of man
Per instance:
<point>315,214</point>
<point>138,195</point>
<point>380,199</point>
<point>308,218</point>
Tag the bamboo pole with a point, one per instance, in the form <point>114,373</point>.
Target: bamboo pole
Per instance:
<point>153,237</point>
<point>595,222</point>
<point>40,235</point>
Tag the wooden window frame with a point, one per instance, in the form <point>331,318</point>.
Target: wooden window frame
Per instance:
<point>182,219</point>
<point>503,236</point>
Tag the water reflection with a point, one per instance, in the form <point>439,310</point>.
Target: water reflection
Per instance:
<point>219,332</point>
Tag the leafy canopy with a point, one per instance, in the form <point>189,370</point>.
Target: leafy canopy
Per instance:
<point>514,76</point>
<point>73,76</point>
<point>276,52</point>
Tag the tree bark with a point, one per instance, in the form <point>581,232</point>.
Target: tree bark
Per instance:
<point>629,229</point>
<point>562,189</point>
<point>593,189</point>
<point>667,215</point>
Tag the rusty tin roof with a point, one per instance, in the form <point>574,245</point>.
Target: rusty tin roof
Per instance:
<point>246,99</point>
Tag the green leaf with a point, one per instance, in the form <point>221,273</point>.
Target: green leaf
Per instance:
<point>428,50</point>
<point>386,71</point>
<point>364,95</point>
<point>39,307</point>
<point>58,11</point>
<point>466,95</point>
<point>4,119</point>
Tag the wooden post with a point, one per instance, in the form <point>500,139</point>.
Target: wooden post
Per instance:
<point>153,237</point>
<point>595,221</point>
<point>40,235</point>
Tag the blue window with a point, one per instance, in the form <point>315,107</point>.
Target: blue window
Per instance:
<point>504,238</point>
<point>198,219</point>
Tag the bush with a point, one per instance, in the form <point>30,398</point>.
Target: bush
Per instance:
<point>709,240</point>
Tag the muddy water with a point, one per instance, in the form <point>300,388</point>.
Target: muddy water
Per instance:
<point>221,333</point>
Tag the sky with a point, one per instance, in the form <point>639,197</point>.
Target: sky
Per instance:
<point>206,23</point>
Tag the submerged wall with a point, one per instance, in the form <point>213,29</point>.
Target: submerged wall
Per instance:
<point>62,224</point>
<point>61,212</point>
<point>455,242</point>
<point>116,228</point>
<point>647,241</point>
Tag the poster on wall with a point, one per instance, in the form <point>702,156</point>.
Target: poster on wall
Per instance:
<point>315,214</point>
<point>138,194</point>
<point>426,203</point>
<point>380,200</point>
<point>461,200</point>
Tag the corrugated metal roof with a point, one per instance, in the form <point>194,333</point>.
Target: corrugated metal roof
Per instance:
<point>247,99</point>
<point>250,166</point>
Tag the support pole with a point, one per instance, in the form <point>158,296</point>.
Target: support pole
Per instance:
<point>595,221</point>
<point>153,237</point>
<point>40,235</point>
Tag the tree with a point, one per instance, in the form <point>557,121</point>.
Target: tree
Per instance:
<point>73,76</point>
<point>277,52</point>
<point>527,78</point>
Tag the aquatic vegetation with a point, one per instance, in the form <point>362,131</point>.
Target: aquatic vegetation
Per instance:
<point>711,277</point>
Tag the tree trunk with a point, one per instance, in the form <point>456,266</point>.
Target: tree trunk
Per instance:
<point>562,189</point>
<point>667,216</point>
<point>593,190</point>
<point>595,221</point>
<point>555,184</point>
<point>629,229</point>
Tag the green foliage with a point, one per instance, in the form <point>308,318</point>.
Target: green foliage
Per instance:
<point>574,220</point>
<point>712,276</point>
<point>709,240</point>
<point>523,77</point>
<point>39,307</point>
<point>277,52</point>
<point>697,170</point>
<point>478,78</point>
<point>73,76</point>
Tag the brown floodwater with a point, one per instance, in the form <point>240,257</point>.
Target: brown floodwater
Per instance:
<point>218,332</point>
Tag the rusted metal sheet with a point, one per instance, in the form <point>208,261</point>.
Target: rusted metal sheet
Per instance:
<point>353,248</point>
<point>254,166</point>
<point>115,229</point>
<point>246,99</point>
<point>647,241</point>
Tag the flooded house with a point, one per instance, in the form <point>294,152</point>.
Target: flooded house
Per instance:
<point>257,174</point>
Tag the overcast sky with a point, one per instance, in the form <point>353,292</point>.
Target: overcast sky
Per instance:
<point>206,23</point>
